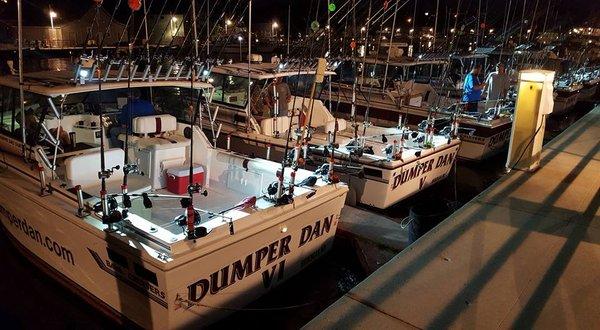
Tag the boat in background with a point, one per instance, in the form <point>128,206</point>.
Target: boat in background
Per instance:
<point>417,88</point>
<point>382,165</point>
<point>566,93</point>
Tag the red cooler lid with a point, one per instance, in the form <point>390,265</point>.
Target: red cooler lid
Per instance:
<point>182,171</point>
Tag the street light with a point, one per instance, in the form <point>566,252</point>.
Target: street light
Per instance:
<point>273,27</point>
<point>240,39</point>
<point>173,29</point>
<point>53,15</point>
<point>228,22</point>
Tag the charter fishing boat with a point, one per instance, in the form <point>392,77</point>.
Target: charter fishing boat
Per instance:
<point>161,227</point>
<point>409,91</point>
<point>590,78</point>
<point>381,165</point>
<point>566,93</point>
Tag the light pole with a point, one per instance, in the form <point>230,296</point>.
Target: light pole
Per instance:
<point>273,27</point>
<point>173,29</point>
<point>240,39</point>
<point>228,23</point>
<point>53,15</point>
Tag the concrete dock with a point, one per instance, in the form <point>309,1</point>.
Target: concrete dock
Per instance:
<point>524,253</point>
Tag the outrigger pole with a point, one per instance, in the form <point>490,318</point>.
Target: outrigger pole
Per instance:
<point>21,94</point>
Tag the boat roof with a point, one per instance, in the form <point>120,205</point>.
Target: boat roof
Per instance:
<point>56,83</point>
<point>260,71</point>
<point>405,62</point>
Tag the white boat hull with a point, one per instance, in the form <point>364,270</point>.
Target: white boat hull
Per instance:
<point>190,293</point>
<point>565,103</point>
<point>478,148</point>
<point>394,186</point>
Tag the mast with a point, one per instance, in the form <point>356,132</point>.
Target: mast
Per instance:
<point>329,53</point>
<point>478,23</point>
<point>435,26</point>
<point>195,28</point>
<point>522,18</point>
<point>21,94</point>
<point>366,45</point>
<point>546,18</point>
<point>533,19</point>
<point>288,27</point>
<point>387,60</point>
<point>208,29</point>
<point>248,110</point>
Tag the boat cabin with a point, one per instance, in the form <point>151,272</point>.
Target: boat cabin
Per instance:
<point>263,112</point>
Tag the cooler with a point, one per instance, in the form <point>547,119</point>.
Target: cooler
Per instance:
<point>178,178</point>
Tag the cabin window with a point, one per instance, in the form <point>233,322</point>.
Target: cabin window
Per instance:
<point>301,85</point>
<point>145,274</point>
<point>230,90</point>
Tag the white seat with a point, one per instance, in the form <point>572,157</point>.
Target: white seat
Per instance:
<point>83,170</point>
<point>155,124</point>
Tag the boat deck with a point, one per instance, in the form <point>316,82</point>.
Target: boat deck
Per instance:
<point>522,254</point>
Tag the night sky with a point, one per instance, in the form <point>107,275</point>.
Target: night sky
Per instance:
<point>570,12</point>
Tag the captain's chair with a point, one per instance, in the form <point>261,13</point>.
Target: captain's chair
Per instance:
<point>152,130</point>
<point>83,170</point>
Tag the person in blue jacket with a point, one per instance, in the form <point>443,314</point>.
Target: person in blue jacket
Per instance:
<point>472,89</point>
<point>137,108</point>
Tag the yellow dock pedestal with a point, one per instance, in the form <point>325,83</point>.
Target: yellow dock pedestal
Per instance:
<point>534,102</point>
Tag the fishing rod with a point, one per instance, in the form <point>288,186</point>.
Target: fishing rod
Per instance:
<point>193,188</point>
<point>162,35</point>
<point>375,64</point>
<point>109,217</point>
<point>127,167</point>
<point>176,32</point>
<point>194,30</point>
<point>387,61</point>
<point>90,29</point>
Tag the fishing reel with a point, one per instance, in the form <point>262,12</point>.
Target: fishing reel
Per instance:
<point>107,172</point>
<point>132,169</point>
<point>196,188</point>
<point>113,215</point>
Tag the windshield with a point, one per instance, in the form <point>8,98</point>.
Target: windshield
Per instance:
<point>166,100</point>
<point>230,90</point>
